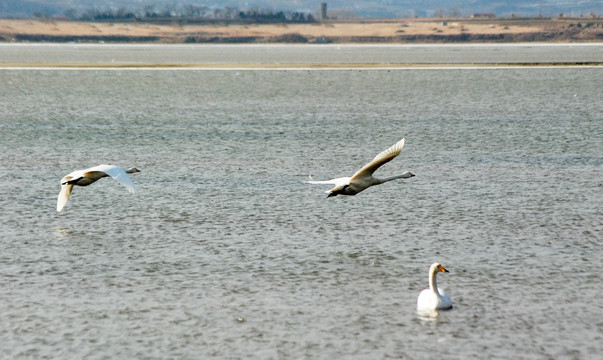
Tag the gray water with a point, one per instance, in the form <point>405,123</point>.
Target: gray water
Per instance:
<point>306,54</point>
<point>225,252</point>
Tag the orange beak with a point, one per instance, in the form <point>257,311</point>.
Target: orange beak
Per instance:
<point>441,268</point>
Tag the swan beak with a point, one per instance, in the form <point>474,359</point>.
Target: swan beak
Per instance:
<point>441,268</point>
<point>137,170</point>
<point>411,174</point>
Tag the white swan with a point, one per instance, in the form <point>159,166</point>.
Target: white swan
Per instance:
<point>88,176</point>
<point>364,178</point>
<point>434,298</point>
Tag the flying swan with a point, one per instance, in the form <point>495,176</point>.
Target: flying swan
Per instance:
<point>88,176</point>
<point>434,298</point>
<point>364,178</point>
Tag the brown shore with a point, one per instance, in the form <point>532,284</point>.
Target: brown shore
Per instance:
<point>414,30</point>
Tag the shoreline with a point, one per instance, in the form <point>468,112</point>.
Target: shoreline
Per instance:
<point>386,31</point>
<point>291,66</point>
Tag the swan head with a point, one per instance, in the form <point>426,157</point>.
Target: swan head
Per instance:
<point>132,170</point>
<point>437,267</point>
<point>408,174</point>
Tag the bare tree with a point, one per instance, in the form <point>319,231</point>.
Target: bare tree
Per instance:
<point>71,13</point>
<point>149,10</point>
<point>455,12</point>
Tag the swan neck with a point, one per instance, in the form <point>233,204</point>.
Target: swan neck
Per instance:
<point>433,286</point>
<point>402,176</point>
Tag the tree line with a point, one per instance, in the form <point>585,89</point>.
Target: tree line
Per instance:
<point>193,14</point>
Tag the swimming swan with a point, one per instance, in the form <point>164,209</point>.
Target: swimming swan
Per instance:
<point>364,178</point>
<point>88,176</point>
<point>434,298</point>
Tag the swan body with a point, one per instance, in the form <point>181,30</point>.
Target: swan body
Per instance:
<point>364,178</point>
<point>88,176</point>
<point>434,298</point>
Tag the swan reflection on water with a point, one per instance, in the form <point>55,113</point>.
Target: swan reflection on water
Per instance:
<point>429,315</point>
<point>61,232</point>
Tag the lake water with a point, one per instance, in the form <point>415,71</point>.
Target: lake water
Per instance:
<point>219,55</point>
<point>225,252</point>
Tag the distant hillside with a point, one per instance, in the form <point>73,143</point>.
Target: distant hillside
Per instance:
<point>336,8</point>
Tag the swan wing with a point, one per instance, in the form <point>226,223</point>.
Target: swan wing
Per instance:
<point>72,175</point>
<point>116,173</point>
<point>64,194</point>
<point>445,302</point>
<point>426,300</point>
<point>381,158</point>
<point>337,181</point>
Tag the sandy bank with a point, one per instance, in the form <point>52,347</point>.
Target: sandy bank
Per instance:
<point>395,30</point>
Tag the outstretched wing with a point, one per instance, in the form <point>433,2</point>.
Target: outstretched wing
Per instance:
<point>64,194</point>
<point>383,157</point>
<point>338,181</point>
<point>118,174</point>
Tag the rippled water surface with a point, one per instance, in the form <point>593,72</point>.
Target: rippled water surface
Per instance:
<point>225,252</point>
<point>306,54</point>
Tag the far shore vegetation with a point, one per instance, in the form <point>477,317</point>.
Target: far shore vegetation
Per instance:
<point>192,14</point>
<point>201,24</point>
<point>197,14</point>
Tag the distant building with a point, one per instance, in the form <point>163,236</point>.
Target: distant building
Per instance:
<point>323,10</point>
